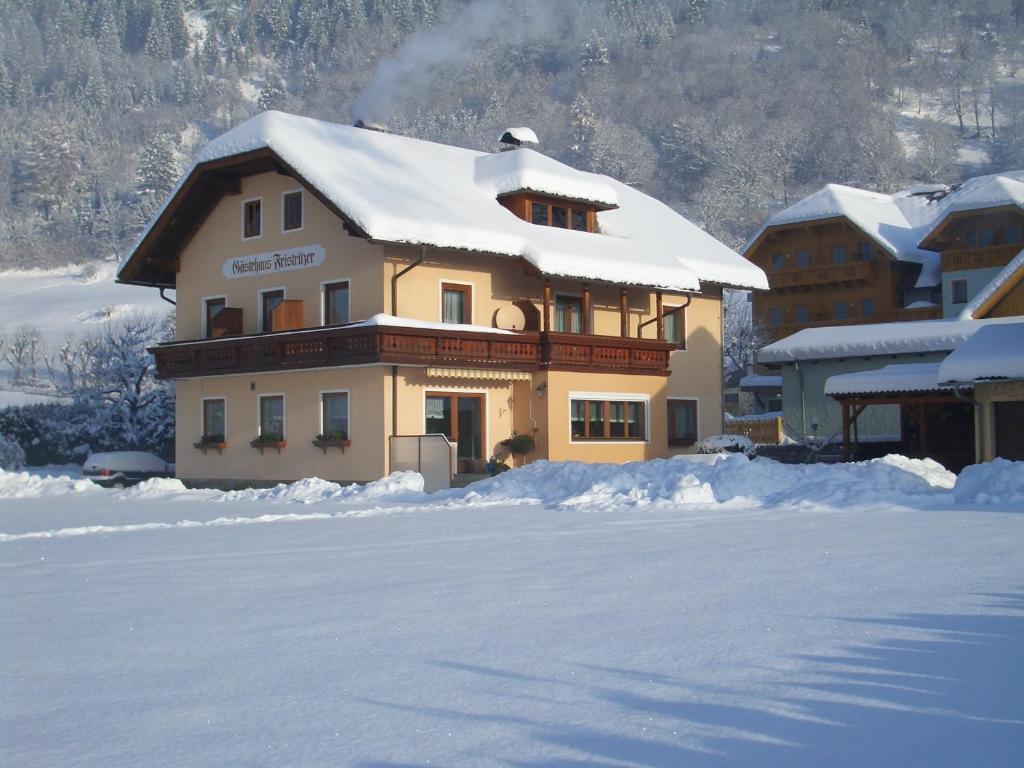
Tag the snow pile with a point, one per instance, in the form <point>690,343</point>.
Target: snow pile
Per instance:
<point>155,488</point>
<point>726,443</point>
<point>22,485</point>
<point>714,479</point>
<point>998,482</point>
<point>398,486</point>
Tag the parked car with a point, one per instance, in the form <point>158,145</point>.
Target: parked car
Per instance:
<point>119,469</point>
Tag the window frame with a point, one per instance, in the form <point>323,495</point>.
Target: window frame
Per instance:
<point>570,206</point>
<point>953,284</point>
<point>324,285</point>
<point>262,306</point>
<point>778,262</point>
<point>284,412</point>
<point>206,312</point>
<point>285,230</point>
<point>694,404</point>
<point>839,254</point>
<point>202,416</point>
<point>576,298</point>
<point>348,410</point>
<point>455,394</point>
<point>803,259</point>
<point>845,314</point>
<point>772,316</point>
<point>865,304</point>
<point>245,204</point>
<point>607,398</point>
<point>803,309</point>
<point>457,286</point>
<point>681,315</point>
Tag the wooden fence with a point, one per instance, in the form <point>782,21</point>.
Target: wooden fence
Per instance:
<point>766,431</point>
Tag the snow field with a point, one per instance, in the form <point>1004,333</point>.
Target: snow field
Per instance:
<point>883,628</point>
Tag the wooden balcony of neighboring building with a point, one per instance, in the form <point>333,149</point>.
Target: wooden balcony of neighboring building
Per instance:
<point>400,345</point>
<point>835,274</point>
<point>988,257</point>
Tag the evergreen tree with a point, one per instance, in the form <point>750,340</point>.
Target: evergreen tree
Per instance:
<point>177,30</point>
<point>158,41</point>
<point>49,169</point>
<point>273,94</point>
<point>158,167</point>
<point>6,85</point>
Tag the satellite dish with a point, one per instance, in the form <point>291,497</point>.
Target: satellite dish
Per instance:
<point>509,318</point>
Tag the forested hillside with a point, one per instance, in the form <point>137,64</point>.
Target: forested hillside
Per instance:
<point>726,109</point>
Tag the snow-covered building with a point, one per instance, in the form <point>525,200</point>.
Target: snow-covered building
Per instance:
<point>342,291</point>
<point>819,364</point>
<point>845,256</point>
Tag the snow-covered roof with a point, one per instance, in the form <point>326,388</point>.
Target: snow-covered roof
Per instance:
<point>829,342</point>
<point>991,191</point>
<point>899,223</point>
<point>402,190</point>
<point>899,377</point>
<point>994,352</point>
<point>892,221</point>
<point>760,381</point>
<point>528,170</point>
<point>995,286</point>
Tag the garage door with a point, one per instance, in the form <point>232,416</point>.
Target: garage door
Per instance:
<point>1010,429</point>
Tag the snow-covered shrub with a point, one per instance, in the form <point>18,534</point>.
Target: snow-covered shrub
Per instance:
<point>726,444</point>
<point>12,457</point>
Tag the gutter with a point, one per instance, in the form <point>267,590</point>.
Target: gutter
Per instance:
<point>394,368</point>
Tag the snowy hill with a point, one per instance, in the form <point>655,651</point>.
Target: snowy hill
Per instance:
<point>70,301</point>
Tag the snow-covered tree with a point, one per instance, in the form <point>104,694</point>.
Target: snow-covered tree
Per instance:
<point>158,169</point>
<point>273,94</point>
<point>126,403</point>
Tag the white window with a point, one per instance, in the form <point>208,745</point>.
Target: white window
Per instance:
<point>335,302</point>
<point>607,417</point>
<point>271,417</point>
<point>334,415</point>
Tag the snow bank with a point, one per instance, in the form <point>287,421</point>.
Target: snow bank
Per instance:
<point>398,486</point>
<point>715,479</point>
<point>155,488</point>
<point>20,485</point>
<point>996,482</point>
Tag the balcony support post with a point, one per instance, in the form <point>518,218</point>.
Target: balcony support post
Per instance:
<point>546,322</point>
<point>660,314</point>
<point>624,313</point>
<point>586,310</point>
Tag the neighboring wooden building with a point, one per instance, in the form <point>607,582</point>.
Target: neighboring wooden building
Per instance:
<point>340,290</point>
<point>846,256</point>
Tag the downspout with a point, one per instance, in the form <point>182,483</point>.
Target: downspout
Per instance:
<point>803,400</point>
<point>680,308</point>
<point>172,302</point>
<point>394,312</point>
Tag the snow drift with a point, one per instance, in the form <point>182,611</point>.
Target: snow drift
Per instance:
<point>999,482</point>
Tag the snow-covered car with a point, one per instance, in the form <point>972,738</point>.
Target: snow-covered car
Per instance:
<point>119,469</point>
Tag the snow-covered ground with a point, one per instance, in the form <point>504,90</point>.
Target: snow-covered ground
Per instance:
<point>711,612</point>
<point>72,300</point>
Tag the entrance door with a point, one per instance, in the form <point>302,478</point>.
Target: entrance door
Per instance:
<point>1009,426</point>
<point>461,418</point>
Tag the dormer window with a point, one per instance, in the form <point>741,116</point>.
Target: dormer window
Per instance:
<point>560,214</point>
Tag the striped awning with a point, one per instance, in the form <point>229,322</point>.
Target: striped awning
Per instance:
<point>477,373</point>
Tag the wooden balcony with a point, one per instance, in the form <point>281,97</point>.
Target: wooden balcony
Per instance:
<point>398,345</point>
<point>805,277</point>
<point>918,313</point>
<point>988,257</point>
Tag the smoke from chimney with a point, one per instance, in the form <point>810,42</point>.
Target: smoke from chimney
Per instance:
<point>456,38</point>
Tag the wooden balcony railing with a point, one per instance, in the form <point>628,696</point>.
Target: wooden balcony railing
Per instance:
<point>395,345</point>
<point>855,271</point>
<point>987,257</point>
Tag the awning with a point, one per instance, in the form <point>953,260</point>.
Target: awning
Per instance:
<point>477,373</point>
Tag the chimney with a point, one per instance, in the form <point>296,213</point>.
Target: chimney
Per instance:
<point>371,126</point>
<point>513,138</point>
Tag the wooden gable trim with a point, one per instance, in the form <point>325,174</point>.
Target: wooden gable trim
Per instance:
<point>1004,290</point>
<point>157,260</point>
<point>930,239</point>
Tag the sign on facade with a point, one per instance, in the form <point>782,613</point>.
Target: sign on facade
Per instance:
<point>306,257</point>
